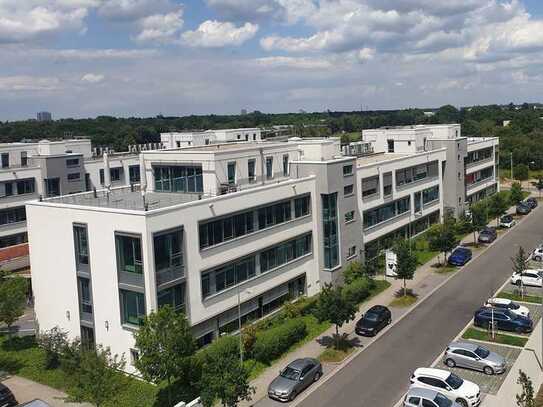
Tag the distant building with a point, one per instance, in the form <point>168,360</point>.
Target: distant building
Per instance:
<point>44,117</point>
<point>429,114</point>
<point>506,123</point>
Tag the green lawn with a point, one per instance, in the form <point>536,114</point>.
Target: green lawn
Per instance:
<point>332,355</point>
<point>404,301</point>
<point>474,333</point>
<point>22,357</point>
<point>527,298</point>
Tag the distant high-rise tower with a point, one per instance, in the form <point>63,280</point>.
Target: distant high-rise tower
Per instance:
<point>44,117</point>
<point>243,112</point>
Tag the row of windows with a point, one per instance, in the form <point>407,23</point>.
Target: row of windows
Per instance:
<point>430,194</point>
<point>178,178</point>
<point>416,173</point>
<point>13,240</point>
<point>24,186</point>
<point>114,174</point>
<point>479,155</point>
<point>329,219</point>
<point>388,211</point>
<point>481,175</point>
<point>72,162</point>
<point>232,274</point>
<point>5,159</point>
<point>12,215</point>
<point>225,229</point>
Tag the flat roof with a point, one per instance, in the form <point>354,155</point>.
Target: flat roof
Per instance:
<point>127,198</point>
<point>380,157</point>
<point>234,146</point>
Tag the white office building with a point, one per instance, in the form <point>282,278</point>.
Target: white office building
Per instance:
<point>211,225</point>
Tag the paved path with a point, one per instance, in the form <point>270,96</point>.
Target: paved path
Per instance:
<point>379,376</point>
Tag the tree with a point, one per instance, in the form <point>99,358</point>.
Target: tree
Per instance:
<point>441,238</point>
<point>479,217</point>
<point>97,379</point>
<point>353,271</point>
<point>498,206</point>
<point>406,262</point>
<point>526,397</point>
<point>12,299</point>
<point>54,343</point>
<point>519,263</point>
<point>516,193</point>
<point>335,307</point>
<point>165,345</point>
<point>224,378</point>
<point>521,172</point>
<point>538,185</point>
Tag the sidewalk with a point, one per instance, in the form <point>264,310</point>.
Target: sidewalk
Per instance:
<point>426,281</point>
<point>529,361</point>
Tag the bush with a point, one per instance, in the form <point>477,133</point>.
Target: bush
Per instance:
<point>248,337</point>
<point>274,342</point>
<point>54,343</point>
<point>358,290</point>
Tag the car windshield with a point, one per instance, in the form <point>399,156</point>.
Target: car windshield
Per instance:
<point>370,316</point>
<point>290,373</point>
<point>482,352</point>
<point>442,401</point>
<point>512,305</point>
<point>461,252</point>
<point>507,219</point>
<point>454,381</point>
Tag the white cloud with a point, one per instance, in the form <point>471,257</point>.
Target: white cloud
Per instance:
<point>94,54</point>
<point>92,78</point>
<point>289,11</point>
<point>28,83</point>
<point>161,27</point>
<point>214,34</point>
<point>295,63</point>
<point>132,10</point>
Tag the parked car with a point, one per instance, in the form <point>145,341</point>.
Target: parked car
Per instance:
<point>7,398</point>
<point>487,235</point>
<point>504,320</point>
<point>460,256</point>
<point>523,209</point>
<point>294,378</point>
<point>428,398</point>
<point>456,389</point>
<point>531,202</point>
<point>375,319</point>
<point>504,303</point>
<point>472,356</point>
<point>507,221</point>
<point>537,254</point>
<point>528,277</point>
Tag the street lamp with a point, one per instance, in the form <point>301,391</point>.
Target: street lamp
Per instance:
<point>239,324</point>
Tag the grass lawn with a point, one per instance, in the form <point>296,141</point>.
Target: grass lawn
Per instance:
<point>404,301</point>
<point>527,298</point>
<point>444,269</point>
<point>22,357</point>
<point>332,355</point>
<point>473,333</point>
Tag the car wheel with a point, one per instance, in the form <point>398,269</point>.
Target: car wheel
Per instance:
<point>488,370</point>
<point>462,402</point>
<point>450,363</point>
<point>292,395</point>
<point>317,376</point>
<point>518,330</point>
<point>389,321</point>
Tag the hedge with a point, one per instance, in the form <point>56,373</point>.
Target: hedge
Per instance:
<point>274,342</point>
<point>358,290</point>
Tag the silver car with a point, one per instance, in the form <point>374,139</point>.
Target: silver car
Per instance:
<point>294,378</point>
<point>419,397</point>
<point>472,356</point>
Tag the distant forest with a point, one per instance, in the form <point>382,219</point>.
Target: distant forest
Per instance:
<point>523,136</point>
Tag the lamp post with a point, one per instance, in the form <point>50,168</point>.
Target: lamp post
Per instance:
<point>511,166</point>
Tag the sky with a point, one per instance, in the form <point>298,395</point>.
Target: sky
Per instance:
<point>84,58</point>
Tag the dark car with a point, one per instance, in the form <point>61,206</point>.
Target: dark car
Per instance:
<point>460,256</point>
<point>504,319</point>
<point>523,209</point>
<point>487,235</point>
<point>375,319</point>
<point>531,202</point>
<point>6,397</point>
<point>294,378</point>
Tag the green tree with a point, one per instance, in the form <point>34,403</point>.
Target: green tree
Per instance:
<point>519,260</point>
<point>497,206</point>
<point>335,307</point>
<point>165,345</point>
<point>54,343</point>
<point>97,379</point>
<point>479,217</point>
<point>521,172</point>
<point>224,378</point>
<point>12,299</point>
<point>538,185</point>
<point>441,238</point>
<point>526,397</point>
<point>516,193</point>
<point>353,271</point>
<point>406,262</point>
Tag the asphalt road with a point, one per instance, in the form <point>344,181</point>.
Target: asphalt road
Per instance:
<point>379,376</point>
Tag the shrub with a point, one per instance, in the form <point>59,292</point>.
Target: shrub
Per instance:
<point>248,337</point>
<point>274,342</point>
<point>358,290</point>
<point>54,343</point>
<point>292,310</point>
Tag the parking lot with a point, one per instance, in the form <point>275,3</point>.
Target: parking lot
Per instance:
<point>535,291</point>
<point>488,384</point>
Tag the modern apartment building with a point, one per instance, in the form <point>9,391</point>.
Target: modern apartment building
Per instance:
<point>46,169</point>
<point>225,232</point>
<point>201,138</point>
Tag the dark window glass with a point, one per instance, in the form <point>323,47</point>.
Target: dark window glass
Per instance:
<point>81,245</point>
<point>25,186</point>
<point>12,215</point>
<point>134,173</point>
<point>251,170</point>
<point>173,296</point>
<point>132,307</point>
<point>129,254</point>
<point>331,245</point>
<point>269,167</point>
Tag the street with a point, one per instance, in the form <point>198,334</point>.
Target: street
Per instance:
<point>379,376</point>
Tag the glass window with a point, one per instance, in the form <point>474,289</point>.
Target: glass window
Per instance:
<point>269,167</point>
<point>52,187</point>
<point>168,255</point>
<point>173,296</point>
<point>115,174</point>
<point>129,254</point>
<point>74,176</point>
<point>331,245</point>
<point>370,186</point>
<point>132,307</point>
<point>383,213</point>
<point>25,186</point>
<point>24,159</point>
<point>349,216</point>
<point>285,165</point>
<point>134,173</point>
<point>5,160</point>
<point>251,170</point>
<point>387,184</point>
<point>281,254</point>
<point>229,275</point>
<point>232,173</point>
<point>85,299</point>
<point>347,169</point>
<point>348,190</point>
<point>81,245</point>
<point>8,189</point>
<point>301,206</point>
<point>430,194</point>
<point>12,215</point>
<point>72,162</point>
<point>102,180</point>
<point>178,178</point>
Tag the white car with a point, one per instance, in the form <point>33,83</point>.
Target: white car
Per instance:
<point>504,303</point>
<point>528,277</point>
<point>507,221</point>
<point>537,254</point>
<point>456,389</point>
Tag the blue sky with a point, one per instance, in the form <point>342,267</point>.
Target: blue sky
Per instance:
<point>83,58</point>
